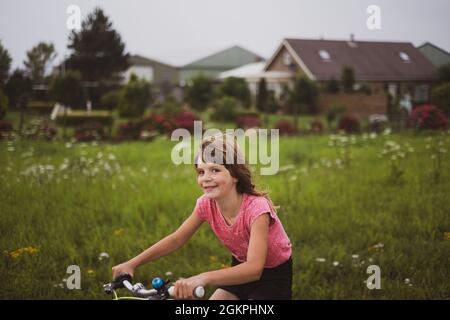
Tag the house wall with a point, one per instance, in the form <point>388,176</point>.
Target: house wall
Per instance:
<point>360,105</point>
<point>278,64</point>
<point>165,73</point>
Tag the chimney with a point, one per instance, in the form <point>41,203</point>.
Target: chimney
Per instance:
<point>352,43</point>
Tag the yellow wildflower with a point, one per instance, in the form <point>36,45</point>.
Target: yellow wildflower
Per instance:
<point>17,253</point>
<point>447,235</point>
<point>119,232</point>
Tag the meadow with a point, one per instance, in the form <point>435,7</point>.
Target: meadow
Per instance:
<point>346,202</point>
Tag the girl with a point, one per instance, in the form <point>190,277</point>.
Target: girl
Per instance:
<point>243,218</point>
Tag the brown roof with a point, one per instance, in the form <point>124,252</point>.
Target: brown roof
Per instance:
<point>370,61</point>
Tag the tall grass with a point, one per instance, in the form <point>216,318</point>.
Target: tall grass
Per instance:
<point>68,203</point>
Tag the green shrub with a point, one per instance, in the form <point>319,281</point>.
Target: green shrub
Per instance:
<point>111,100</point>
<point>225,109</point>
<point>440,96</point>
<point>334,112</point>
<point>68,89</point>
<point>3,105</point>
<point>79,118</point>
<point>135,98</point>
<point>238,89</point>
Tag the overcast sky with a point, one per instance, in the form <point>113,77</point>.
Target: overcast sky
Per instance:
<point>180,31</point>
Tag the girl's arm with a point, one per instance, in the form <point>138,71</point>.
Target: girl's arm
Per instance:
<point>248,271</point>
<point>163,247</point>
<point>252,269</point>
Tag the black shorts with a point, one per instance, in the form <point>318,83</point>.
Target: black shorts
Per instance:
<point>274,284</point>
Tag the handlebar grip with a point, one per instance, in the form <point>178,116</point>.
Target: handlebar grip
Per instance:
<point>118,282</point>
<point>199,292</point>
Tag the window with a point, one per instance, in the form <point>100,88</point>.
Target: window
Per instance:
<point>324,55</point>
<point>404,56</point>
<point>287,60</point>
<point>421,93</point>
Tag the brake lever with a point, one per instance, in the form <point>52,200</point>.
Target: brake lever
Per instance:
<point>117,283</point>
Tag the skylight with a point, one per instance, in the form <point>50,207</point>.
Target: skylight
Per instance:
<point>324,55</point>
<point>404,56</point>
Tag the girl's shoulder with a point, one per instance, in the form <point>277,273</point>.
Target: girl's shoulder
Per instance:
<point>203,200</point>
<point>257,205</point>
<point>256,201</point>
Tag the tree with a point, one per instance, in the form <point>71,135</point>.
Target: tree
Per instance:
<point>440,96</point>
<point>237,88</point>
<point>5,64</point>
<point>18,88</point>
<point>98,51</point>
<point>347,79</point>
<point>18,84</point>
<point>262,99</point>
<point>332,86</point>
<point>200,93</point>
<point>444,73</point>
<point>225,109</point>
<point>3,105</point>
<point>135,98</point>
<point>284,98</point>
<point>68,90</point>
<point>37,60</point>
<point>304,97</point>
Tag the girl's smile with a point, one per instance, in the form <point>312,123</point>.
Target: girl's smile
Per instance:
<point>215,180</point>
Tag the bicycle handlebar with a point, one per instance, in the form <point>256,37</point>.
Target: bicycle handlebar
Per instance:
<point>160,290</point>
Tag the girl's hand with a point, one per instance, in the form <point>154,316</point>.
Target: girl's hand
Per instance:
<point>123,267</point>
<point>184,288</point>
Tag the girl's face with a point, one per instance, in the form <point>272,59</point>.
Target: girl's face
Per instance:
<point>215,180</point>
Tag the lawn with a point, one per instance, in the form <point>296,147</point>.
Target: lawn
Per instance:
<point>344,208</point>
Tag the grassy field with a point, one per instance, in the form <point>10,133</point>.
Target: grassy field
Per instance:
<point>344,208</point>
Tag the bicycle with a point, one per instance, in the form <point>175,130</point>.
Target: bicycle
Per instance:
<point>161,289</point>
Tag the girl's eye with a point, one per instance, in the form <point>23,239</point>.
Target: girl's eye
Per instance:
<point>200,172</point>
<point>215,170</point>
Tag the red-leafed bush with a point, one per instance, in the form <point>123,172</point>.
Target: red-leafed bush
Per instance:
<point>246,122</point>
<point>6,126</point>
<point>185,119</point>
<point>48,132</point>
<point>316,126</point>
<point>349,124</point>
<point>286,127</point>
<point>89,132</point>
<point>157,123</point>
<point>428,116</point>
<point>128,131</point>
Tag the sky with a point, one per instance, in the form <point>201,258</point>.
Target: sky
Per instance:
<point>180,31</point>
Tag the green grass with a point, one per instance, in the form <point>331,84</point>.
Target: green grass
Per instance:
<point>333,213</point>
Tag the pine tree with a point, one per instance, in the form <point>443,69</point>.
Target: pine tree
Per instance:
<point>98,51</point>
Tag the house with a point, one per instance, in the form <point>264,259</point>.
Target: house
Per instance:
<point>437,56</point>
<point>252,74</point>
<point>395,67</point>
<point>151,70</point>
<point>216,63</point>
<point>164,77</point>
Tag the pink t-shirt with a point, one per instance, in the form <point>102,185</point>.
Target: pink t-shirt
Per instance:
<point>237,236</point>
